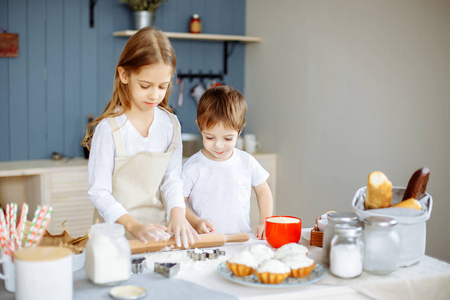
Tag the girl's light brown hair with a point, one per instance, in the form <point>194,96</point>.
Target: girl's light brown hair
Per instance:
<point>146,47</point>
<point>221,104</point>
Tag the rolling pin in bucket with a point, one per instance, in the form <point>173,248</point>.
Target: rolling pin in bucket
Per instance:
<point>207,240</point>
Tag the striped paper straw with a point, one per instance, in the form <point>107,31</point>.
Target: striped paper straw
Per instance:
<point>21,226</point>
<point>12,244</point>
<point>33,223</point>
<point>3,233</point>
<point>3,243</point>
<point>12,229</point>
<point>37,225</point>
<point>7,220</point>
<point>2,219</point>
<point>14,224</point>
<point>42,228</point>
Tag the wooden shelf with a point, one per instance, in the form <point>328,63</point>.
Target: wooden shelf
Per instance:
<point>226,39</point>
<point>199,36</point>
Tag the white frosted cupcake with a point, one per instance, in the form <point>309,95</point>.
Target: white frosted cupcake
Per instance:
<point>301,265</point>
<point>272,271</point>
<point>242,263</point>
<point>261,252</point>
<point>291,249</point>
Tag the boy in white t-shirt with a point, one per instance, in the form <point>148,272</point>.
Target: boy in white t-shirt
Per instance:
<point>218,179</point>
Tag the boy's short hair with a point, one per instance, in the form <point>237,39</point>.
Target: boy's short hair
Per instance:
<point>221,104</point>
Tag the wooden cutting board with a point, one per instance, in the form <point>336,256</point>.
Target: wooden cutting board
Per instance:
<point>207,240</point>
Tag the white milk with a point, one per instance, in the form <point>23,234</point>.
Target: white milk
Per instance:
<point>283,220</point>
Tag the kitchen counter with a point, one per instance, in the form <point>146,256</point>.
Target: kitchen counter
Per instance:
<point>37,167</point>
<point>61,184</point>
<point>429,279</point>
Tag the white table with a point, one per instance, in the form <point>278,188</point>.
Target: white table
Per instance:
<point>429,279</point>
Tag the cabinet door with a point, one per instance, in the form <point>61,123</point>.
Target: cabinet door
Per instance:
<point>66,192</point>
<point>269,163</point>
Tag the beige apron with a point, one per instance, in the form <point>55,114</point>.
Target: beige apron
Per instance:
<point>136,180</point>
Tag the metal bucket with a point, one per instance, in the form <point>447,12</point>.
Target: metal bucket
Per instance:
<point>142,19</point>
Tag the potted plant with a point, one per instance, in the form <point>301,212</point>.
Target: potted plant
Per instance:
<point>143,11</point>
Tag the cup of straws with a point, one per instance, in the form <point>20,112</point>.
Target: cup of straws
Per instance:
<point>15,236</point>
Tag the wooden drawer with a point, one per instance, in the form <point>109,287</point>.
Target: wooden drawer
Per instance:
<point>68,181</point>
<point>66,192</point>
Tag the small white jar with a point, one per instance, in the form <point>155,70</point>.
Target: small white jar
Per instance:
<point>382,245</point>
<point>108,255</point>
<point>346,251</point>
<point>335,218</point>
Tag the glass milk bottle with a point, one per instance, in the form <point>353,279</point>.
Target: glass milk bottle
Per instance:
<point>108,255</point>
<point>335,218</point>
<point>346,251</point>
<point>382,245</point>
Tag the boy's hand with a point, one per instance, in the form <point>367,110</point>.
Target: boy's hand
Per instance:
<point>181,229</point>
<point>204,226</point>
<point>260,233</point>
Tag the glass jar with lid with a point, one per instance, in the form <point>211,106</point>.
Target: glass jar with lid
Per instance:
<point>108,255</point>
<point>346,251</point>
<point>335,218</point>
<point>382,245</point>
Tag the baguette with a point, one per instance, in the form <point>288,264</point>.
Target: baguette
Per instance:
<point>379,191</point>
<point>409,203</point>
<point>417,184</point>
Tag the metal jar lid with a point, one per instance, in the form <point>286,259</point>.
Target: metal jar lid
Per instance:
<point>347,230</point>
<point>380,221</point>
<point>342,217</point>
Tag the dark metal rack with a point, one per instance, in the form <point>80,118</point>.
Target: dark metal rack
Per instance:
<point>91,12</point>
<point>226,53</point>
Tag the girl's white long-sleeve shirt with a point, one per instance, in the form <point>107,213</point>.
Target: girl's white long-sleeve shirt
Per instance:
<point>103,153</point>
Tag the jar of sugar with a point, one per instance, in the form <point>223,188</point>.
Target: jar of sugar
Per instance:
<point>346,251</point>
<point>381,245</point>
<point>108,255</point>
<point>334,218</point>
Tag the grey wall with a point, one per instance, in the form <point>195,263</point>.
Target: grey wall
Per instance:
<point>65,69</point>
<point>344,88</point>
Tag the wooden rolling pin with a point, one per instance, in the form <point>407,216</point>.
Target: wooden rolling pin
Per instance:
<point>207,240</point>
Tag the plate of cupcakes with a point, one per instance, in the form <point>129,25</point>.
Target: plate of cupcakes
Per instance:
<point>258,265</point>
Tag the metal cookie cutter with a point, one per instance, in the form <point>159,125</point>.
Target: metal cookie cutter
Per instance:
<point>196,255</point>
<point>167,269</point>
<point>138,265</point>
<point>204,255</point>
<point>215,254</point>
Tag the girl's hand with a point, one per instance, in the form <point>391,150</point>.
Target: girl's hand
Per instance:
<point>260,233</point>
<point>143,232</point>
<point>146,232</point>
<point>181,229</point>
<point>204,226</point>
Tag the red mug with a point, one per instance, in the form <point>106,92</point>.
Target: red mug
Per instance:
<point>281,230</point>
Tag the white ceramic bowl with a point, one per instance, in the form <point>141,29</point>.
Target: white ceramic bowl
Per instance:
<point>78,261</point>
<point>322,224</point>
